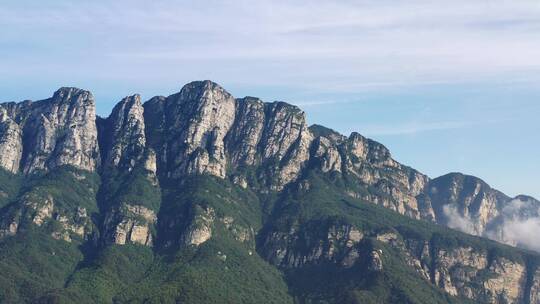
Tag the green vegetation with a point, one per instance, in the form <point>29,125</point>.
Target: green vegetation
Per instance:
<point>69,187</point>
<point>9,187</point>
<point>325,203</point>
<point>133,188</point>
<point>225,269</point>
<point>222,270</point>
<point>33,264</point>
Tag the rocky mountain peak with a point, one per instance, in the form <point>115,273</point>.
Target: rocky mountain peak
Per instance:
<point>129,104</point>
<point>61,131</point>
<point>124,140</point>
<point>250,99</point>
<point>67,94</point>
<point>466,203</point>
<point>369,150</point>
<point>192,126</point>
<point>328,133</point>
<point>199,92</point>
<point>49,133</point>
<point>285,106</point>
<point>525,198</point>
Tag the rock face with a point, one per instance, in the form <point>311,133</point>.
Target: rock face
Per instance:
<point>468,272</point>
<point>534,293</point>
<point>204,130</point>
<point>124,141</point>
<point>200,130</point>
<point>126,157</point>
<point>285,142</point>
<point>192,126</point>
<point>370,160</point>
<point>200,228</point>
<point>392,185</point>
<point>77,224</point>
<point>10,143</point>
<point>332,242</point>
<point>243,140</point>
<point>62,131</point>
<point>57,131</point>
<point>130,224</point>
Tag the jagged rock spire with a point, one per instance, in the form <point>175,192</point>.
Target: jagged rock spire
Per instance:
<point>124,141</point>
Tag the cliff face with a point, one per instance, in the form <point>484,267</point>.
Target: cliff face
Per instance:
<point>10,143</point>
<point>195,122</point>
<point>200,130</point>
<point>377,177</point>
<point>203,129</point>
<point>138,177</point>
<point>124,142</point>
<point>50,133</point>
<point>468,204</point>
<point>127,162</point>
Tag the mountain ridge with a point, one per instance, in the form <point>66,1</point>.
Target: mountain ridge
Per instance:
<point>200,169</point>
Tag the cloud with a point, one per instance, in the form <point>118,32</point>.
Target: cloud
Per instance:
<point>523,233</point>
<point>344,45</point>
<point>415,127</point>
<point>456,221</point>
<point>517,225</point>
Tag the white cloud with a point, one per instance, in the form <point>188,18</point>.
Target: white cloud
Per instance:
<point>415,127</point>
<point>517,225</point>
<point>343,45</point>
<point>457,221</point>
<point>523,233</point>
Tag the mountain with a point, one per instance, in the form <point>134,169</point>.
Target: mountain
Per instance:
<point>199,197</point>
<point>468,204</point>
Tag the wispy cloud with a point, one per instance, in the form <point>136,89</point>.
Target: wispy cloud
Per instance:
<point>416,127</point>
<point>459,222</point>
<point>345,45</point>
<point>517,225</point>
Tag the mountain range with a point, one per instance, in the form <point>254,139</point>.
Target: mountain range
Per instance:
<point>200,197</point>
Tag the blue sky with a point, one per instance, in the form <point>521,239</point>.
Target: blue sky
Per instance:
<point>446,85</point>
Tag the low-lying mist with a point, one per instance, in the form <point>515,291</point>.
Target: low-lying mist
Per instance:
<point>518,224</point>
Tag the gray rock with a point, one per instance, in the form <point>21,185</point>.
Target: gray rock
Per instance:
<point>192,127</point>
<point>244,137</point>
<point>125,140</point>
<point>61,131</point>
<point>50,133</point>
<point>11,145</point>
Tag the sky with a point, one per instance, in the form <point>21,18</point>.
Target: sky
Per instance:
<point>447,86</point>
